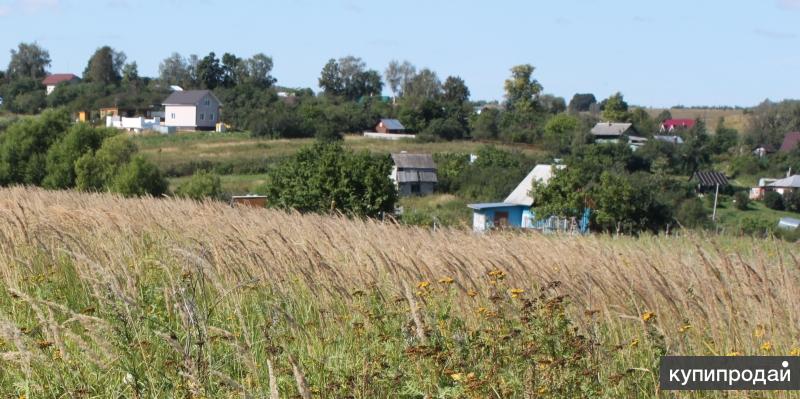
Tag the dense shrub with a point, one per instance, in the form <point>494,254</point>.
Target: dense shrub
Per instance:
<point>139,177</point>
<point>774,200</point>
<point>201,185</point>
<point>692,213</point>
<point>742,200</point>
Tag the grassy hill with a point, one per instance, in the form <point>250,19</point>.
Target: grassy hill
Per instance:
<point>109,297</point>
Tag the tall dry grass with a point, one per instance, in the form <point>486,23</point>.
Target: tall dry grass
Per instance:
<point>709,294</point>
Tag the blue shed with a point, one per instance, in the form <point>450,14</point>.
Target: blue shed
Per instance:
<point>500,214</point>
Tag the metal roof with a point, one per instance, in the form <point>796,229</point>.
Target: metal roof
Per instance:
<point>541,173</point>
<point>492,205</point>
<point>413,161</point>
<point>709,178</point>
<point>610,128</point>
<point>188,97</point>
<point>393,124</point>
<point>416,176</point>
<point>669,139</point>
<point>789,182</point>
<point>789,222</point>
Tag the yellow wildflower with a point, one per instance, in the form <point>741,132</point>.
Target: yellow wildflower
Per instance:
<point>456,376</point>
<point>446,280</point>
<point>423,284</point>
<point>497,273</point>
<point>481,310</point>
<point>795,352</point>
<point>766,346</point>
<point>647,316</point>
<point>759,331</point>
<point>516,292</point>
<point>472,293</point>
<point>634,343</point>
<point>734,353</point>
<point>684,328</point>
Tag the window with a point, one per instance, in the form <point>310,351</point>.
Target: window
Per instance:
<point>172,116</point>
<point>207,102</point>
<point>211,117</point>
<point>415,189</point>
<point>202,116</point>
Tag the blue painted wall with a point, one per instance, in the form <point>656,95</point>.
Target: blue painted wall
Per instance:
<point>514,214</point>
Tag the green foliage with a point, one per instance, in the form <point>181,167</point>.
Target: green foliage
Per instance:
<point>490,178</point>
<point>724,138</point>
<point>105,66</point>
<point>770,121</point>
<point>774,200</point>
<point>201,185</point>
<point>325,177</point>
<point>486,125</point>
<point>95,171</point>
<point>581,102</point>
<point>28,61</point>
<point>139,177</point>
<point>742,200</point>
<point>62,155</point>
<point>24,145</point>
<point>445,129</point>
<point>559,132</point>
<point>349,78</point>
<point>521,89</point>
<point>209,71</point>
<point>615,109</point>
<point>792,201</point>
<point>692,213</point>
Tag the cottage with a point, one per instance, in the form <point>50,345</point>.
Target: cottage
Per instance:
<point>414,174</point>
<point>515,210</point>
<point>610,132</point>
<point>709,181</point>
<point>757,193</point>
<point>192,110</point>
<point>671,125</point>
<point>52,81</point>
<point>390,126</point>
<point>785,186</point>
<point>790,142</point>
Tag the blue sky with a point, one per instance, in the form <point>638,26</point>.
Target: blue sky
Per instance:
<point>691,52</point>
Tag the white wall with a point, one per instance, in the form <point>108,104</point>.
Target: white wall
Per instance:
<point>180,115</point>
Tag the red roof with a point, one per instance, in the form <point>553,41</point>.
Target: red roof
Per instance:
<point>678,123</point>
<point>57,78</point>
<point>790,141</point>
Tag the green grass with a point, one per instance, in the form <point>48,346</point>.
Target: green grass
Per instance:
<point>756,217</point>
<point>238,153</point>
<point>443,209</point>
<point>231,184</point>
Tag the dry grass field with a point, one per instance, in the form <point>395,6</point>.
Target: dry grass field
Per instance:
<point>109,297</point>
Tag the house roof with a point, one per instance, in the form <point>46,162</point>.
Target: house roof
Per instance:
<point>541,173</point>
<point>393,124</point>
<point>188,97</point>
<point>416,176</point>
<point>490,205</point>
<point>669,139</point>
<point>413,161</point>
<point>57,78</point>
<point>610,128</point>
<point>710,178</point>
<point>789,182</point>
<point>790,141</point>
<point>673,123</point>
<point>789,222</point>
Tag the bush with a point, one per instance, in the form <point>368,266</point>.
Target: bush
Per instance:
<point>692,213</point>
<point>773,200</point>
<point>201,185</point>
<point>139,177</point>
<point>447,129</point>
<point>792,201</point>
<point>742,200</point>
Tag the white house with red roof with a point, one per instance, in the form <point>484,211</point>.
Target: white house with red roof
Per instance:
<point>56,79</point>
<point>670,125</point>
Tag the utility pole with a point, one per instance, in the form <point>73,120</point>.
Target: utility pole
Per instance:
<point>716,194</point>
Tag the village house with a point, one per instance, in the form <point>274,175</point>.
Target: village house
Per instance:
<point>52,81</point>
<point>790,142</point>
<point>709,181</point>
<point>390,126</point>
<point>515,210</point>
<point>610,132</point>
<point>670,125</point>
<point>192,110</point>
<point>785,186</point>
<point>414,174</point>
<point>757,193</point>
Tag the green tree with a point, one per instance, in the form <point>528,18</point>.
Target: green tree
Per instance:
<point>486,125</point>
<point>792,201</point>
<point>139,177</point>
<point>724,138</point>
<point>615,109</point>
<point>105,66</point>
<point>398,75</point>
<point>774,200</point>
<point>521,89</point>
<point>581,102</point>
<point>330,79</point>
<point>560,131</point>
<point>95,171</point>
<point>174,70</point>
<point>443,128</point>
<point>692,213</point>
<point>24,146</point>
<point>30,61</point>
<point>201,185</point>
<point>62,155</point>
<point>209,71</point>
<point>326,177</point>
<point>742,200</point>
<point>425,85</point>
<point>455,90</point>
